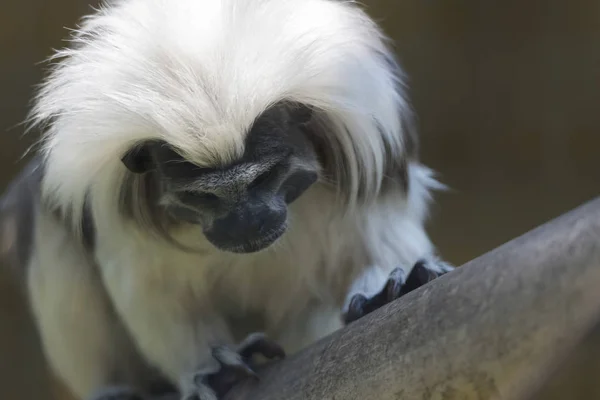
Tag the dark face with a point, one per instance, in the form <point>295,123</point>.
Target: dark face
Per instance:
<point>241,207</point>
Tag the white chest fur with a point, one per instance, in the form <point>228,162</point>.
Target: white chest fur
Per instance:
<point>304,265</point>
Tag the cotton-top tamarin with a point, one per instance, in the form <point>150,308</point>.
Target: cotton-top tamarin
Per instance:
<point>215,179</point>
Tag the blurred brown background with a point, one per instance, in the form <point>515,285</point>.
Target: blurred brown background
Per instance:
<point>507,95</point>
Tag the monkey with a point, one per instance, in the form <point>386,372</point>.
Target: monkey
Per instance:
<point>215,180</point>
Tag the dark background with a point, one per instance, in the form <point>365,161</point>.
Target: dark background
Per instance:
<point>507,94</point>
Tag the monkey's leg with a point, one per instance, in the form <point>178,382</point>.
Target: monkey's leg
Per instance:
<point>397,285</point>
<point>180,331</point>
<point>81,336</point>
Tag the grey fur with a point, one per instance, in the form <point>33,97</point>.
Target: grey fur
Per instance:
<point>17,215</point>
<point>18,207</point>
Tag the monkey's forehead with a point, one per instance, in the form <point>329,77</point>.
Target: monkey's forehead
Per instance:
<point>222,63</point>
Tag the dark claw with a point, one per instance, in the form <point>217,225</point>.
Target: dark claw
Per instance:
<point>396,287</point>
<point>258,343</point>
<point>419,276</point>
<point>361,306</point>
<point>237,365</point>
<point>356,309</point>
<point>231,360</point>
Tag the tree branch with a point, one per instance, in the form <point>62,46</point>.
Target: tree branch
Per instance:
<point>493,328</point>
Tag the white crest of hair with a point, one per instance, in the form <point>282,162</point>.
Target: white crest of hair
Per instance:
<point>196,73</point>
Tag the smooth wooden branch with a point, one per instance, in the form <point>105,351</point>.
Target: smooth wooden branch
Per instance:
<point>492,329</point>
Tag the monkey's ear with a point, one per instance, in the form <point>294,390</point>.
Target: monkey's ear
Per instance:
<point>139,159</point>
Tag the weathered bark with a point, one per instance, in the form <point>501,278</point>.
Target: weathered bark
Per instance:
<point>492,329</point>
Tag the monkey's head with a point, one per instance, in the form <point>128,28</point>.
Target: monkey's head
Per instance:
<point>241,206</point>
<point>224,113</point>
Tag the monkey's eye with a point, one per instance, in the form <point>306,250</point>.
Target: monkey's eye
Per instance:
<point>193,196</point>
<point>264,177</point>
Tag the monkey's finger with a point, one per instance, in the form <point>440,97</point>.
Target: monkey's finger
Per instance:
<point>356,308</point>
<point>232,362</point>
<point>259,343</point>
<point>394,286</point>
<point>419,276</point>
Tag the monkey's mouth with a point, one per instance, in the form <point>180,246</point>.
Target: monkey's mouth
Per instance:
<point>251,245</point>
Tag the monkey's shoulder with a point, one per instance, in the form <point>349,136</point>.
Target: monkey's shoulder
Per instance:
<point>18,207</point>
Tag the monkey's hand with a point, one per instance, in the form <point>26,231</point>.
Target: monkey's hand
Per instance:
<point>397,285</point>
<point>234,366</point>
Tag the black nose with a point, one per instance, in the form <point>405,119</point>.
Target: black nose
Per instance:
<point>249,226</point>
<point>253,221</point>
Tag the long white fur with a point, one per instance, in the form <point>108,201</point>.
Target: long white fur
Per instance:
<point>196,73</point>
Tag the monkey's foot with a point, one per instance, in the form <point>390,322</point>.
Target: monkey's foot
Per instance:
<point>397,286</point>
<point>235,366</point>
